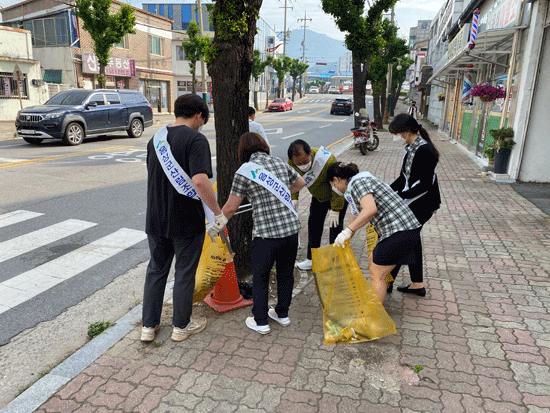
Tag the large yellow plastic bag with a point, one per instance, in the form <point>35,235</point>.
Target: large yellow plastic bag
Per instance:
<point>351,310</point>
<point>214,256</point>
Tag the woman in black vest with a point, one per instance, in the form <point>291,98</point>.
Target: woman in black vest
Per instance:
<point>417,185</point>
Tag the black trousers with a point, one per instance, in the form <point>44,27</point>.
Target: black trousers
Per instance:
<point>266,252</point>
<point>316,223</point>
<point>415,270</point>
<point>187,252</point>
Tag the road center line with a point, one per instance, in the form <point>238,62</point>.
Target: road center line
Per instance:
<point>326,126</point>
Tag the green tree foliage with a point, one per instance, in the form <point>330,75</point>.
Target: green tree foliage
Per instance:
<point>105,29</point>
<point>362,36</point>
<point>281,65</point>
<point>230,59</point>
<point>396,49</point>
<point>194,49</point>
<point>258,67</point>
<point>296,70</point>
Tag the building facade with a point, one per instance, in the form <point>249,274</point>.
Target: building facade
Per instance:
<point>510,48</point>
<point>142,61</point>
<point>20,77</point>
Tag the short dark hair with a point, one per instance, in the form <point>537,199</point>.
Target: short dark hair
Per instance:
<point>187,106</point>
<point>413,102</point>
<point>342,170</point>
<point>297,147</point>
<point>250,143</point>
<point>251,111</point>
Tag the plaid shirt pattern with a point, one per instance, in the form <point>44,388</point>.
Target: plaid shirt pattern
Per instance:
<point>272,219</point>
<point>392,215</point>
<point>410,150</point>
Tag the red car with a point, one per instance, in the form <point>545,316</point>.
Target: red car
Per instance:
<point>280,105</point>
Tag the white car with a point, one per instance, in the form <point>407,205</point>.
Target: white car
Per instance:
<point>313,90</point>
<point>334,90</point>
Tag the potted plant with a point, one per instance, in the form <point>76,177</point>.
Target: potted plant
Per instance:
<point>487,92</point>
<point>499,151</point>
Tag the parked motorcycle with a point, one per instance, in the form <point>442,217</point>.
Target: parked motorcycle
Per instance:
<point>364,136</point>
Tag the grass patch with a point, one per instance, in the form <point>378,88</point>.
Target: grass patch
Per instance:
<point>418,369</point>
<point>98,327</point>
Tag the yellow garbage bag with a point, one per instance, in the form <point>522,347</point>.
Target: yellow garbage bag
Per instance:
<point>351,310</point>
<point>214,256</point>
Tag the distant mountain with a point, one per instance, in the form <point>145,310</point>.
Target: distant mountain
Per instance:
<point>319,47</point>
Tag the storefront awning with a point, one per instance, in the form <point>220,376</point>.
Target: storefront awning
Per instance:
<point>490,45</point>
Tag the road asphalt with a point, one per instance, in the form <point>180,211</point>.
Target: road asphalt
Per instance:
<point>478,342</point>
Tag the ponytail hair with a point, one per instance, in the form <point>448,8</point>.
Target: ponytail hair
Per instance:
<point>342,170</point>
<point>406,123</point>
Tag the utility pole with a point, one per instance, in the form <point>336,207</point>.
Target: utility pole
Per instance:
<point>284,28</point>
<point>389,80</point>
<point>305,19</point>
<point>203,65</point>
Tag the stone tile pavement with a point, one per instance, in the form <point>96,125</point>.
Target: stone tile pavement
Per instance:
<point>478,342</point>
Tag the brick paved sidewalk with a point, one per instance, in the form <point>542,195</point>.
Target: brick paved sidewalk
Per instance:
<point>481,336</point>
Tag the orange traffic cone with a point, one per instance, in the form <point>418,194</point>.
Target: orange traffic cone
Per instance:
<point>226,296</point>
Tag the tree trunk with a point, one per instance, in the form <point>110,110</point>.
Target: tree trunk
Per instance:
<point>377,115</point>
<point>359,84</point>
<point>193,83</point>
<point>101,78</point>
<point>256,95</point>
<point>294,89</point>
<point>230,71</point>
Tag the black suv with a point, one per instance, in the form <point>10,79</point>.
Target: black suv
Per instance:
<point>342,105</point>
<point>74,114</point>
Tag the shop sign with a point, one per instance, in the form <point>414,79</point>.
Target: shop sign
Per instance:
<point>504,13</point>
<point>459,42</point>
<point>118,66</point>
<point>467,87</point>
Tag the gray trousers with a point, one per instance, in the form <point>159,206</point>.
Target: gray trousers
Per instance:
<point>187,252</point>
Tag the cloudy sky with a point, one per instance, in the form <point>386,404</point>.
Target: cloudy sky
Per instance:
<point>407,13</point>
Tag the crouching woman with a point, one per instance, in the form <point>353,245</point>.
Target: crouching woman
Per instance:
<point>372,200</point>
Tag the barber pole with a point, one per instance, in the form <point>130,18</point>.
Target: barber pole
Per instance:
<point>473,32</point>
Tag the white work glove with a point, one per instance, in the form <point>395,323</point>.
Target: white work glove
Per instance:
<point>220,221</point>
<point>295,204</point>
<point>333,218</point>
<point>343,237</point>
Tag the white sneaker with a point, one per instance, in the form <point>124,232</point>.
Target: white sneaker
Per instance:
<point>304,265</point>
<point>273,315</point>
<point>251,324</point>
<point>148,333</point>
<point>195,326</point>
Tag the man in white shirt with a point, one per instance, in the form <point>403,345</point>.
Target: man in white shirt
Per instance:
<point>254,126</point>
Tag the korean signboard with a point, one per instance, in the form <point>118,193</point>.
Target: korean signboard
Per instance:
<point>118,66</point>
<point>459,42</point>
<point>504,13</point>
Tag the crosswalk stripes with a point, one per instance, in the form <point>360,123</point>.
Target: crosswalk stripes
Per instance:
<point>17,216</point>
<point>33,240</point>
<point>29,284</point>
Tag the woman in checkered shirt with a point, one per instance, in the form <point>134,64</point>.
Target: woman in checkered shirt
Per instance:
<point>274,233</point>
<point>372,200</point>
<point>417,185</point>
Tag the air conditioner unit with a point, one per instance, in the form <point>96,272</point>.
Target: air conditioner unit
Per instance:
<point>37,82</point>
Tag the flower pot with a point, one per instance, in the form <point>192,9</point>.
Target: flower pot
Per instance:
<point>502,157</point>
<point>485,99</point>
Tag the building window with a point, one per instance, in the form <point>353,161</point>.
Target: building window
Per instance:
<point>152,9</point>
<point>8,86</point>
<point>49,32</point>
<point>124,44</point>
<point>170,11</point>
<point>185,15</point>
<point>155,45</point>
<point>161,9</point>
<point>180,53</point>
